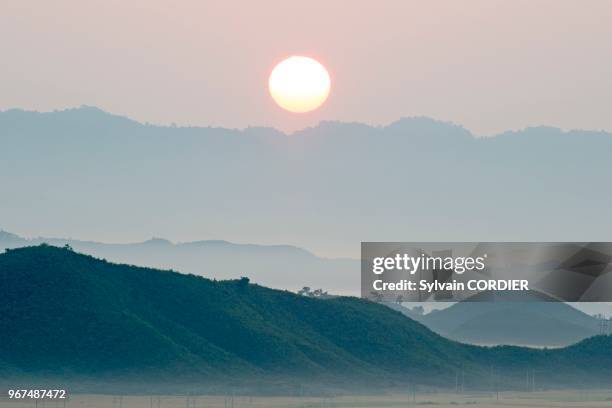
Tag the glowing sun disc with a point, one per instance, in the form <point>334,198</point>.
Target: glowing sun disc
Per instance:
<point>299,84</point>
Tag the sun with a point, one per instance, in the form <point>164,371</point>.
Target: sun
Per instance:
<point>299,84</point>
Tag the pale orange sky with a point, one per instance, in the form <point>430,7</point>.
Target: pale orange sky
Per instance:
<point>488,65</point>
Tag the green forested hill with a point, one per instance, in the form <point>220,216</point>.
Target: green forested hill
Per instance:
<point>67,315</point>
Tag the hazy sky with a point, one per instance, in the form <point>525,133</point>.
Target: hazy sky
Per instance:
<point>488,65</point>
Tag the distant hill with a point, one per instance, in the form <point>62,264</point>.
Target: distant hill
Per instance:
<point>84,172</point>
<point>71,316</point>
<point>278,266</point>
<point>492,319</point>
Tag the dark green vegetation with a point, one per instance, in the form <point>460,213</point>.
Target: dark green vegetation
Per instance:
<point>264,264</point>
<point>71,316</point>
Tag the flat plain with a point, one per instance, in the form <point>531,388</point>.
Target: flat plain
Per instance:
<point>555,399</point>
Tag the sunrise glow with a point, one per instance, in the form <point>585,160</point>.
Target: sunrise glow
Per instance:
<point>299,84</point>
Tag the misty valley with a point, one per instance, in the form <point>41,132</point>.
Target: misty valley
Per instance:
<point>305,204</point>
<point>96,325</point>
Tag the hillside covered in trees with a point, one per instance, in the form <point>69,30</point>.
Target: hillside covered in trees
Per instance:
<point>75,318</point>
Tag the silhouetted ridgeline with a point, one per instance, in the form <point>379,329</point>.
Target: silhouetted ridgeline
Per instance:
<point>70,316</point>
<point>325,188</point>
<point>277,266</point>
<point>520,323</point>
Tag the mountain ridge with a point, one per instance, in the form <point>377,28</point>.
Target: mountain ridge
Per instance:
<point>521,319</point>
<point>7,237</point>
<point>537,324</point>
<point>94,112</point>
<point>266,264</point>
<point>117,178</point>
<point>88,318</point>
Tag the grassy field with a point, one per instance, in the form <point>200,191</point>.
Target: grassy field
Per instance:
<point>561,399</point>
